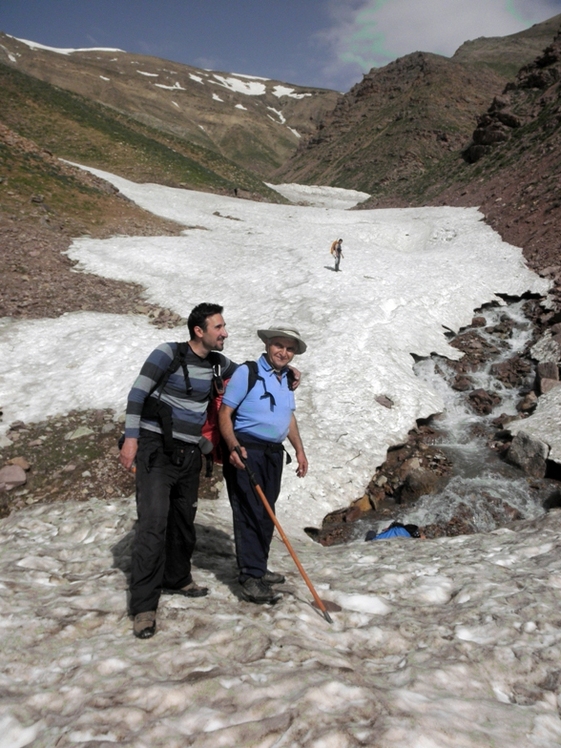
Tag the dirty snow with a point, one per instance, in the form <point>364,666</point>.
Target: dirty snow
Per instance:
<point>449,642</point>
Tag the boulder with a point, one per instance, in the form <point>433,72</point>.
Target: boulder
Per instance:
<point>478,321</point>
<point>11,476</point>
<point>529,454</point>
<point>363,504</point>
<point>21,461</point>
<point>462,383</point>
<point>384,400</point>
<point>419,482</point>
<point>483,402</point>
<point>528,403</point>
<point>548,384</point>
<point>547,370</point>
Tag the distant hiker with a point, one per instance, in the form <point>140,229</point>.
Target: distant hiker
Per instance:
<point>235,191</point>
<point>165,413</point>
<point>257,419</point>
<point>337,252</point>
<point>395,530</point>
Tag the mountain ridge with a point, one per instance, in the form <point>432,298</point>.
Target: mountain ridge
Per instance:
<point>397,120</point>
<point>252,121</point>
<point>405,117</point>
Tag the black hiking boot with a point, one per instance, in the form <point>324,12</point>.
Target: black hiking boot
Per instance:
<point>257,591</point>
<point>190,590</point>
<point>272,577</point>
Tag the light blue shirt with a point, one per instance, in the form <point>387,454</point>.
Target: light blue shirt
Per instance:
<point>257,414</point>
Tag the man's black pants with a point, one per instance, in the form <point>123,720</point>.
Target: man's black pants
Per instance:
<point>166,501</point>
<point>253,528</point>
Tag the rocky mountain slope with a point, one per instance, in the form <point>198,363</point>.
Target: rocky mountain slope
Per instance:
<point>413,133</point>
<point>397,122</point>
<point>403,119</point>
<point>507,54</point>
<point>255,122</point>
<point>78,129</point>
<point>512,164</point>
<point>43,204</point>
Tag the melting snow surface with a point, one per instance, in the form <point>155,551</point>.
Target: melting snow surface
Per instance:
<point>439,643</point>
<point>320,197</point>
<point>436,644</point>
<point>361,324</point>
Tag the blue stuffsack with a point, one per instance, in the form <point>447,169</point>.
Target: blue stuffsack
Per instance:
<point>391,532</point>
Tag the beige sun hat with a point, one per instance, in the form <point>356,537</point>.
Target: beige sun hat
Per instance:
<point>283,330</point>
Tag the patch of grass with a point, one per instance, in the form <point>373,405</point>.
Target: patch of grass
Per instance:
<point>74,469</point>
<point>80,130</point>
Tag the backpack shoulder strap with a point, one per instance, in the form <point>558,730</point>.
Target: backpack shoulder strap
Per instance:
<point>217,381</point>
<point>177,361</point>
<point>252,377</point>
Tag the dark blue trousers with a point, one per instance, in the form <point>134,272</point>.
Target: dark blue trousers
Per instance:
<point>253,528</point>
<point>166,502</point>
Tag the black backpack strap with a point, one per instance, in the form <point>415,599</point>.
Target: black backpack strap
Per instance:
<point>217,380</point>
<point>177,361</point>
<point>155,409</point>
<point>181,354</point>
<point>290,378</point>
<point>252,377</point>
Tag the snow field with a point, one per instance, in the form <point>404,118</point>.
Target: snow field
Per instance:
<point>441,643</point>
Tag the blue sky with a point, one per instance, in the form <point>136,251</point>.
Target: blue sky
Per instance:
<point>328,43</point>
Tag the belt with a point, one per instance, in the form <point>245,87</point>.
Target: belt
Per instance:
<point>253,442</point>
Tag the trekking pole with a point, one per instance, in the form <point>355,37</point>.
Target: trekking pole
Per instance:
<point>259,490</point>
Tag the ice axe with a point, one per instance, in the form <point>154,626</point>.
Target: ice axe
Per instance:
<point>321,604</point>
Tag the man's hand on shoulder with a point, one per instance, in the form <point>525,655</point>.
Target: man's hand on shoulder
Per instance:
<point>296,377</point>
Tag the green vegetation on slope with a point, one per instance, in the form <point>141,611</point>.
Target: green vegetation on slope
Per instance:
<point>79,130</point>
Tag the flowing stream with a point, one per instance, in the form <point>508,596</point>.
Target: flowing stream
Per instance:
<point>483,486</point>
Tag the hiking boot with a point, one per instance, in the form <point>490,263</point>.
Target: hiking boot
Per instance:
<point>144,625</point>
<point>271,577</point>
<point>257,591</point>
<point>190,590</point>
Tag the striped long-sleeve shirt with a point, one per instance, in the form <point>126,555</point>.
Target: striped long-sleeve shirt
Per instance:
<point>188,410</point>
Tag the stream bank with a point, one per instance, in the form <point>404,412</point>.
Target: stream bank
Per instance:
<point>460,471</point>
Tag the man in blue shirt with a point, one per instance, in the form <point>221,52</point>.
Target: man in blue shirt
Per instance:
<point>258,421</point>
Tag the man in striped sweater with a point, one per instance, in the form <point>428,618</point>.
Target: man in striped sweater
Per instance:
<point>168,465</point>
